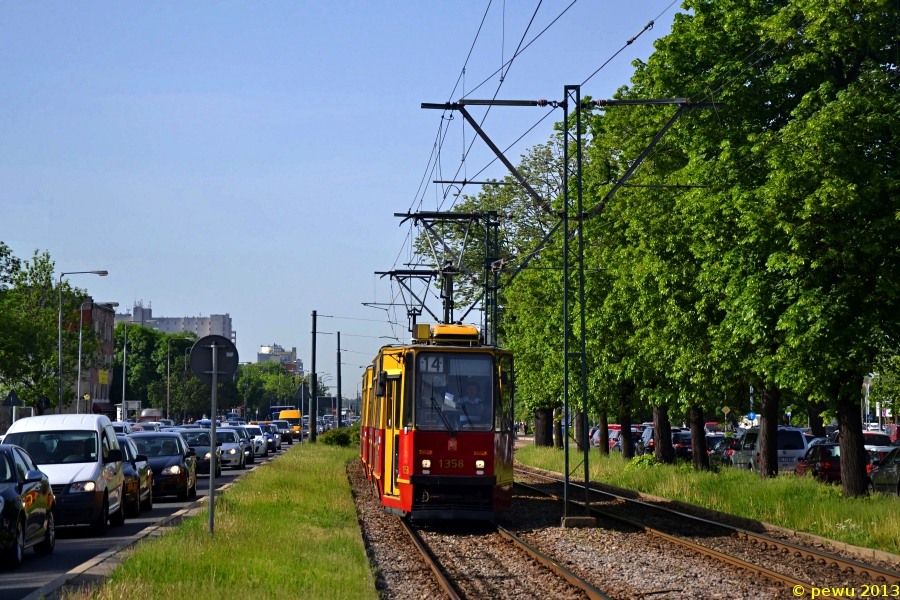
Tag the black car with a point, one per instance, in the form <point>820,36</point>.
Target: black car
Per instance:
<point>174,465</point>
<point>199,441</point>
<point>682,444</point>
<point>27,505</point>
<point>138,478</point>
<point>246,442</point>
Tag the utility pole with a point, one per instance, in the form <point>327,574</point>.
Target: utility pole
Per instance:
<point>313,400</point>
<point>339,380</point>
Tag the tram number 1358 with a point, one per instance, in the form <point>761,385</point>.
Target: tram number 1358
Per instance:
<point>452,463</point>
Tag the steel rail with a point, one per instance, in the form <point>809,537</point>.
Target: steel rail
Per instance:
<point>429,560</point>
<point>591,592</point>
<point>773,576</point>
<point>847,565</point>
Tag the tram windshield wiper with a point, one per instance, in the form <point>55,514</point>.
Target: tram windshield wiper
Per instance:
<point>443,416</point>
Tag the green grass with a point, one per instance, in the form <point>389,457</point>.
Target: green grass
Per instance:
<point>799,503</point>
<point>287,530</point>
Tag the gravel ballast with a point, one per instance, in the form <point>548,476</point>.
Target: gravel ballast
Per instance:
<point>400,572</point>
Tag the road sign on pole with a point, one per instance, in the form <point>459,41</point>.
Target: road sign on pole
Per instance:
<point>12,399</point>
<point>212,357</point>
<point>726,410</point>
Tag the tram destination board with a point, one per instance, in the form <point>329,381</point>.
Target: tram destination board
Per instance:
<point>201,358</point>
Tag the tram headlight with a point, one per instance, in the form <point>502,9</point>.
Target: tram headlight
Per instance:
<point>426,464</point>
<point>479,464</point>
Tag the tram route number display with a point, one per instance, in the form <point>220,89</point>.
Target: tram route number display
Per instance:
<point>452,463</point>
<point>431,364</point>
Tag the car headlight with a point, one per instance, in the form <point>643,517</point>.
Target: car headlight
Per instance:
<point>426,464</point>
<point>233,451</point>
<point>173,470</point>
<point>83,486</point>
<point>479,464</point>
<point>208,456</point>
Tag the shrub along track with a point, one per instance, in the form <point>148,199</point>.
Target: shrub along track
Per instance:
<point>776,559</point>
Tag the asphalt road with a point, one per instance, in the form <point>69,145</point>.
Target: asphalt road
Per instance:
<point>76,545</point>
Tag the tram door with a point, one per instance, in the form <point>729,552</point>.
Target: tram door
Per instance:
<point>392,435</point>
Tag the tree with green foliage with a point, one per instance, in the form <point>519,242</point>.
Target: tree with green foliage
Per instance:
<point>29,360</point>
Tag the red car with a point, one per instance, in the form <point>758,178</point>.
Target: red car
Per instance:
<point>823,461</point>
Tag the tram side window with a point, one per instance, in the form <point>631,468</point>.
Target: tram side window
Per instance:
<point>408,400</point>
<point>389,403</point>
<point>379,402</point>
<point>396,387</point>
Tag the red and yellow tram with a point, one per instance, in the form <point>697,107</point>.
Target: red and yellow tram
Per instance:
<point>437,425</point>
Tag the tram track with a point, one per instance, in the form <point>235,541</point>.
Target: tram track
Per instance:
<point>451,584</point>
<point>760,542</point>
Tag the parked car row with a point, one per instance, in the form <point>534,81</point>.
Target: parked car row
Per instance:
<point>85,470</point>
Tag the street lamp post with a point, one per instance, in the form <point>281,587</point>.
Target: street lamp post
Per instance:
<point>59,340</point>
<point>80,328</point>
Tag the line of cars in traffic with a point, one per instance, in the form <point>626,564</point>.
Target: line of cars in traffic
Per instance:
<point>798,451</point>
<point>85,470</point>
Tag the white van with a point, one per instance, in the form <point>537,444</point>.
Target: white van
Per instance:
<point>81,456</point>
<point>792,446</point>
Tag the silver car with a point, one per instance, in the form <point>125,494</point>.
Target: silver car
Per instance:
<point>232,454</point>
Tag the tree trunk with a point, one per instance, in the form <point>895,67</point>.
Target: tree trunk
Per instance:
<point>853,464</point>
<point>698,438</point>
<point>625,391</point>
<point>816,424</point>
<point>604,433</point>
<point>558,433</point>
<point>768,432</point>
<point>580,430</point>
<point>662,435</point>
<point>543,427</point>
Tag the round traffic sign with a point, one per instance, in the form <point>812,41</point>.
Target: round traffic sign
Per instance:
<point>751,415</point>
<point>202,353</point>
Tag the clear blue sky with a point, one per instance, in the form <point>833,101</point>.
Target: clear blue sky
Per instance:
<point>247,157</point>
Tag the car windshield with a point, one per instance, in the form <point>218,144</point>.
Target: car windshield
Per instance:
<point>790,440</point>
<point>196,438</point>
<point>226,437</point>
<point>119,428</point>
<point>681,437</point>
<point>455,390</point>
<point>254,431</point>
<point>831,452</point>
<point>877,439</point>
<point>157,446</point>
<point>57,447</point>
<point>7,475</point>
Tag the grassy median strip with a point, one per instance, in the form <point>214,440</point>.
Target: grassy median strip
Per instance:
<point>287,530</point>
<point>799,503</point>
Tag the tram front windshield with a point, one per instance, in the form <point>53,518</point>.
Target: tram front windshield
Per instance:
<point>454,390</point>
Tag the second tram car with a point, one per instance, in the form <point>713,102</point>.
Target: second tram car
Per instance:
<point>437,425</point>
